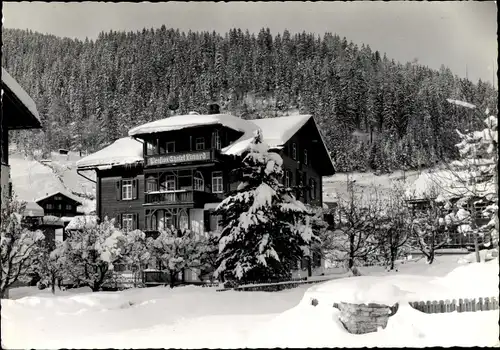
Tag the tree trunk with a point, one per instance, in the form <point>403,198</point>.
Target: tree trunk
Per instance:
<point>53,284</point>
<point>309,266</point>
<point>172,277</point>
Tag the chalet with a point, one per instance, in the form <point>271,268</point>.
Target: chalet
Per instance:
<point>443,186</point>
<point>175,171</point>
<point>59,204</point>
<point>18,112</point>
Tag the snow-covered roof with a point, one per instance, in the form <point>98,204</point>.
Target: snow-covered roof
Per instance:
<point>20,93</point>
<point>64,193</point>
<point>82,222</point>
<point>445,184</point>
<point>187,121</point>
<point>277,131</point>
<point>33,209</point>
<point>121,152</point>
<point>461,103</point>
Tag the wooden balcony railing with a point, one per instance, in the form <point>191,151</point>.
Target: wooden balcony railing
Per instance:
<point>173,197</point>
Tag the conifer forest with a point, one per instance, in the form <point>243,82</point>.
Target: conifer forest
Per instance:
<point>375,113</point>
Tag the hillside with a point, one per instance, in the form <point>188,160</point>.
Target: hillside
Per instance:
<point>32,179</point>
<point>375,113</point>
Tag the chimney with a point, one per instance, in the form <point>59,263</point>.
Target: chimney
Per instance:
<point>213,108</point>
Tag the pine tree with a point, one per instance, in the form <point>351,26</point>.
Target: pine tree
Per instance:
<point>264,227</point>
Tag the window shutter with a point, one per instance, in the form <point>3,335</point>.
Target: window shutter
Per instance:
<point>119,220</point>
<point>135,188</point>
<point>118,190</point>
<point>136,221</point>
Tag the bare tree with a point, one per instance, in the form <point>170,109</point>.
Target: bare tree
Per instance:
<point>394,225</point>
<point>429,231</point>
<point>354,239</point>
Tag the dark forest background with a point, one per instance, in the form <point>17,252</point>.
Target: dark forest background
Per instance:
<point>375,113</point>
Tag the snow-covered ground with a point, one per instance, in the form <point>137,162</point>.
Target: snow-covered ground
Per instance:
<point>196,317</point>
<point>367,183</point>
<point>31,179</point>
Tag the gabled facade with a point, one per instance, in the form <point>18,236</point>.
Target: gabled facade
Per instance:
<point>18,112</point>
<point>59,204</point>
<point>186,163</point>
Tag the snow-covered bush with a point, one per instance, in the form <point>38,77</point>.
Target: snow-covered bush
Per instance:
<point>133,249</point>
<point>90,253</point>
<point>264,227</point>
<point>19,246</point>
<point>177,250</point>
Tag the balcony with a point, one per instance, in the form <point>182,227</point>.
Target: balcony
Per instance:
<point>203,156</point>
<point>179,197</point>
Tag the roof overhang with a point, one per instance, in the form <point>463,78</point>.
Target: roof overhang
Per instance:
<point>18,108</point>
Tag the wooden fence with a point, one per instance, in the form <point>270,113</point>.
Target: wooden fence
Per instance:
<point>460,305</point>
<point>271,286</point>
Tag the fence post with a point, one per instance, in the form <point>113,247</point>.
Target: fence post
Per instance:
<point>447,306</point>
<point>441,307</point>
<point>460,305</point>
<point>434,307</point>
<point>473,305</point>
<point>487,304</point>
<point>466,305</point>
<point>494,301</point>
<point>427,307</point>
<point>453,305</point>
<point>480,304</point>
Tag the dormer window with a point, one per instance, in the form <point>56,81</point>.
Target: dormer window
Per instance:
<point>294,151</point>
<point>305,157</point>
<point>200,143</point>
<point>216,141</point>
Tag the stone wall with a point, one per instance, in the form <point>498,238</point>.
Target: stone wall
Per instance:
<point>362,318</point>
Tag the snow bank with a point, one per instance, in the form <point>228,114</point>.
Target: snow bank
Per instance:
<point>22,95</point>
<point>162,317</point>
<point>123,151</point>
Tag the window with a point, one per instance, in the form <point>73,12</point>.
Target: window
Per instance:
<point>49,206</point>
<point>170,147</point>
<point>150,148</point>
<point>183,220</point>
<point>59,206</point>
<point>127,222</point>
<point>151,184</point>
<point>216,141</point>
<point>127,190</point>
<point>287,178</point>
<point>170,183</point>
<point>294,151</point>
<point>69,207</point>
<point>57,198</point>
<point>217,184</point>
<point>199,183</point>
<point>313,188</point>
<point>200,143</point>
<point>305,157</point>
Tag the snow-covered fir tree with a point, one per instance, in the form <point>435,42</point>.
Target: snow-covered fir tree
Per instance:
<point>19,246</point>
<point>265,229</point>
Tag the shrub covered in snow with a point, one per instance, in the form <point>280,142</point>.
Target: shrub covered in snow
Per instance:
<point>19,246</point>
<point>264,226</point>
<point>178,250</point>
<point>90,253</point>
